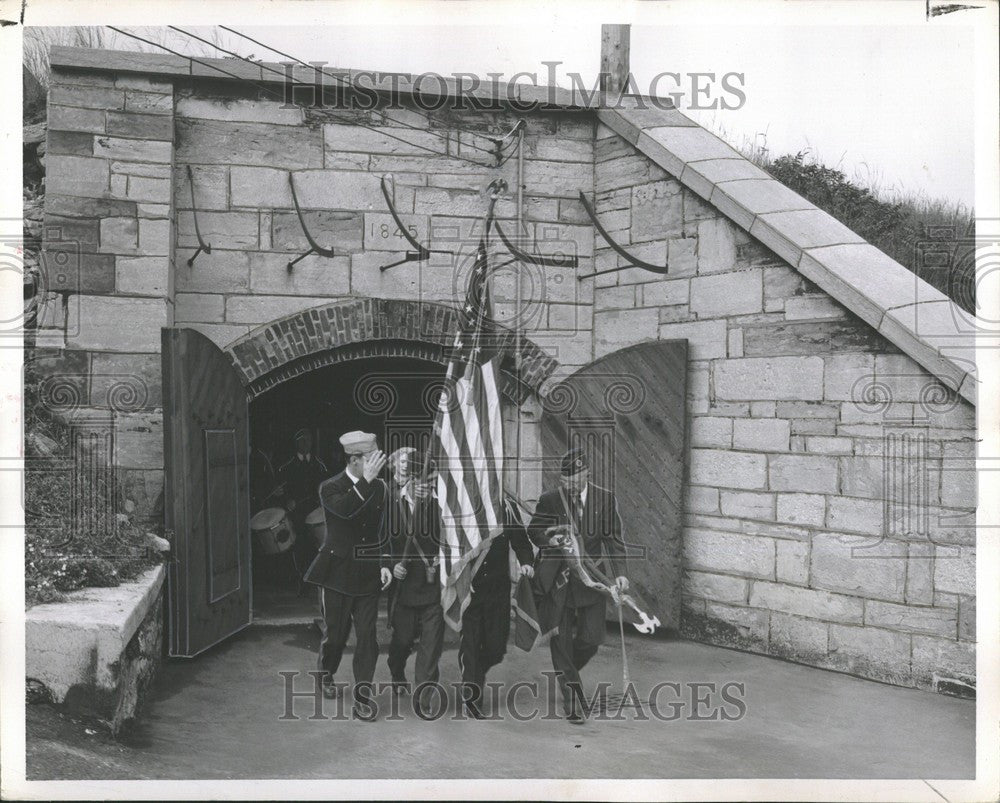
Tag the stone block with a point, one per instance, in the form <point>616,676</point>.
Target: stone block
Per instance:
<point>140,126</point>
<point>725,469</point>
<point>849,514</point>
<point>702,176</point>
<point>76,175</point>
<point>870,652</point>
<point>735,343</point>
<point>391,140</point>
<point>724,294</point>
<point>955,573</point>
<point>743,201</point>
<point>226,143</point>
<point>240,110</point>
<point>557,179</point>
<point>259,309</point>
<point>68,118</point>
<point>657,211</point>
<point>157,190</point>
<point>230,272</point>
<point>813,307</point>
<point>798,639</point>
<point>211,187</point>
<point>77,143</point>
<point>314,275</point>
<point>811,337</point>
<point>119,235</point>
<point>142,276</point>
<point>769,378</point>
<point>104,323</point>
<point>133,150</point>
<point>807,602</point>
<point>682,256</point>
<point>820,444</point>
<point>82,233</point>
<point>716,246</point>
<point>802,473</point>
<point>220,229</point>
<point>737,626</point>
<point>732,553</point>
<point>716,587</point>
<point>701,499</point>
<point>967,618</point>
<point>706,339</point>
<point>846,375</point>
<point>710,432</point>
<point>424,281</point>
<point>911,619</point>
<point>615,298</point>
<point>747,505</point>
<point>66,269</point>
<point>125,381</point>
<point>792,562</point>
<point>137,100</point>
<point>761,434</point>
<point>803,509</point>
<point>935,658</point>
<point>139,440</point>
<point>259,187</point>
<point>619,328</point>
<point>920,574</point>
<point>859,565</point>
<point>382,234</point>
<point>144,84</point>
<point>203,307</point>
<point>86,97</point>
<point>154,237</point>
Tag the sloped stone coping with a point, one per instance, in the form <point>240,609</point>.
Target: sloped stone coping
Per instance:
<point>907,311</point>
<point>77,647</point>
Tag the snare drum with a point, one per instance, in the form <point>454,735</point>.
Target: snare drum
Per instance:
<point>272,531</point>
<point>316,524</point>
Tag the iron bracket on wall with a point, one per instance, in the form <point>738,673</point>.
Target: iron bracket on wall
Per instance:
<point>202,245</point>
<point>314,247</point>
<point>420,253</point>
<point>632,260</point>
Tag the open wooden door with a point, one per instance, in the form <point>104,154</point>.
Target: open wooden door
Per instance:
<point>207,502</point>
<point>627,410</point>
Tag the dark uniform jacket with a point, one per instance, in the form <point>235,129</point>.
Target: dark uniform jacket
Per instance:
<point>301,478</point>
<point>598,526</point>
<point>494,573</point>
<point>425,524</point>
<point>356,545</point>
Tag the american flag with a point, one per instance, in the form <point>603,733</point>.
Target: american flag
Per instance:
<point>468,436</point>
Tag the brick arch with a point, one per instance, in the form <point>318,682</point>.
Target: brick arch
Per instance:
<point>365,327</point>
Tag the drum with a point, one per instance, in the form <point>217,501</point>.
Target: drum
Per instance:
<point>272,531</point>
<point>316,524</point>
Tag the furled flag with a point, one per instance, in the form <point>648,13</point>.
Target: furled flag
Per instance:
<point>468,440</point>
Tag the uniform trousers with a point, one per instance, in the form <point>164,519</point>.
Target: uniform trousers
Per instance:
<point>581,632</point>
<point>485,630</point>
<point>339,612</point>
<point>407,620</point>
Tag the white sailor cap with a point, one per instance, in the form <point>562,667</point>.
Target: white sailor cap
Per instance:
<point>358,442</point>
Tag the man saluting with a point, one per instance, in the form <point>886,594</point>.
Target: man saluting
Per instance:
<point>584,517</point>
<point>352,566</point>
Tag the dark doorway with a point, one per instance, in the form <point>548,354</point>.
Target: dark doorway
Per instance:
<point>393,397</point>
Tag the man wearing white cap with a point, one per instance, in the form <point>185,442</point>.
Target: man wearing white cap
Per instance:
<point>352,567</point>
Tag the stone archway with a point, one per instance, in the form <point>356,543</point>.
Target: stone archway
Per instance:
<point>365,327</point>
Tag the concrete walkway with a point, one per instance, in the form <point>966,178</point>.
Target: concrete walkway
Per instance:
<point>219,716</point>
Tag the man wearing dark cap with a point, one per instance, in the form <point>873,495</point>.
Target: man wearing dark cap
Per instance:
<point>352,567</point>
<point>301,477</point>
<point>580,516</point>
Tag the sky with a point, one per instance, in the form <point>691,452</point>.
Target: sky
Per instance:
<point>889,104</point>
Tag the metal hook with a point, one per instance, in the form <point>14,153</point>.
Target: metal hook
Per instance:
<point>559,261</point>
<point>632,260</point>
<point>202,245</point>
<point>421,253</point>
<point>314,247</point>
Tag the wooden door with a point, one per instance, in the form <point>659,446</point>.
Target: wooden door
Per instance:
<point>627,410</point>
<point>207,501</point>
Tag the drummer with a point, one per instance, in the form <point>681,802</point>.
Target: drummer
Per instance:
<point>301,477</point>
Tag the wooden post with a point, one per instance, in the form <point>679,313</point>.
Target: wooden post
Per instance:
<point>614,58</point>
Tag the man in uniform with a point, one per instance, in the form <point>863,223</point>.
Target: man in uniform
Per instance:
<point>417,615</point>
<point>301,477</point>
<point>486,622</point>
<point>587,514</point>
<point>352,567</point>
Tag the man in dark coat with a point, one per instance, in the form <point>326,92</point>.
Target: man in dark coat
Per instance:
<point>352,567</point>
<point>486,622</point>
<point>301,476</point>
<point>415,521</point>
<point>587,514</point>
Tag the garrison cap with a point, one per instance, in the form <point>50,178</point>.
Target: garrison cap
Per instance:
<point>358,442</point>
<point>573,462</point>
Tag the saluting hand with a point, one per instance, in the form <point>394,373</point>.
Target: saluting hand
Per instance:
<point>374,463</point>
